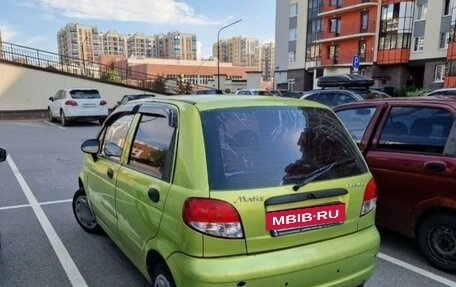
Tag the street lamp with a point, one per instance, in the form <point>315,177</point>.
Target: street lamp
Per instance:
<point>218,51</point>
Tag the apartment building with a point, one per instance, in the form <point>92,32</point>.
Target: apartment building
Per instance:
<point>79,43</point>
<point>267,61</point>
<point>113,43</point>
<point>175,45</point>
<point>140,46</point>
<point>397,42</point>
<point>239,51</point>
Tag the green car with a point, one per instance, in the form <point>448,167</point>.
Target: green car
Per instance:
<point>231,191</point>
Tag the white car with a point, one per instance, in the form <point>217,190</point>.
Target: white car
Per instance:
<point>442,92</point>
<point>83,104</point>
<point>253,92</point>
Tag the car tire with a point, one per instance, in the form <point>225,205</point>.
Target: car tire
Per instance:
<point>84,214</point>
<point>63,119</point>
<point>50,117</point>
<point>437,240</point>
<point>161,276</point>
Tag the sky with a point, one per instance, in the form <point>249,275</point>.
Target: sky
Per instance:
<point>35,23</point>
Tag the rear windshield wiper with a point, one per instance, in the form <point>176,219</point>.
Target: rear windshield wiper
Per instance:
<point>307,178</point>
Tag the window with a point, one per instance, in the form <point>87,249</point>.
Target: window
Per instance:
<point>421,10</point>
<point>114,137</point>
<point>153,146</point>
<point>337,3</point>
<point>418,44</point>
<point>452,68</point>
<point>291,84</point>
<point>294,10</point>
<point>444,39</point>
<point>293,34</point>
<point>439,73</point>
<point>356,121</point>
<point>446,7</point>
<point>362,50</point>
<point>291,57</point>
<point>416,129</point>
<point>335,25</point>
<point>254,147</point>
<point>364,21</point>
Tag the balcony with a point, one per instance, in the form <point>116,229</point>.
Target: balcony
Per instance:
<point>346,59</point>
<point>348,31</point>
<point>343,6</point>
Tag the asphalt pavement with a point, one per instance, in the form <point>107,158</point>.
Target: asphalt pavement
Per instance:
<point>42,245</point>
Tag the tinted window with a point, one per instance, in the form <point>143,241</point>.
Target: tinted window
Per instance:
<point>311,97</point>
<point>114,138</point>
<point>343,98</point>
<point>356,121</point>
<point>85,94</point>
<point>326,98</point>
<point>152,146</point>
<point>416,129</point>
<point>272,146</point>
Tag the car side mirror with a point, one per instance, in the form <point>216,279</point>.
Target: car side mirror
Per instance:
<point>51,99</point>
<point>118,102</point>
<point>91,146</point>
<point>3,154</point>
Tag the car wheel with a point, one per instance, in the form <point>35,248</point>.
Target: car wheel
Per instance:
<point>63,119</point>
<point>437,239</point>
<point>50,117</point>
<point>84,214</point>
<point>161,276</point>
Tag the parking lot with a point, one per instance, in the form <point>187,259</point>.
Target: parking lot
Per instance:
<point>42,245</point>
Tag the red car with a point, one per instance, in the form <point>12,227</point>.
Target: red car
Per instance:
<point>410,147</point>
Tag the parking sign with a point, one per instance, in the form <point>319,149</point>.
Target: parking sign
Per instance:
<point>355,63</point>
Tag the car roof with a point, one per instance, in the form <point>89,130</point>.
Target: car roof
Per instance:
<point>82,89</point>
<point>210,102</point>
<point>419,100</point>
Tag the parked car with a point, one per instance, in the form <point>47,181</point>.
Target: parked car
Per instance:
<point>132,97</point>
<point>253,92</point>
<point>293,94</point>
<point>208,92</point>
<point>410,147</point>
<point>341,89</point>
<point>194,189</point>
<point>3,155</point>
<point>442,92</point>
<point>80,104</point>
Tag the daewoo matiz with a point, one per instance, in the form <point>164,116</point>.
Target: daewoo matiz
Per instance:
<point>231,191</point>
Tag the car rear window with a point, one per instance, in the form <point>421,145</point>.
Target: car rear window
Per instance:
<point>258,147</point>
<point>85,94</point>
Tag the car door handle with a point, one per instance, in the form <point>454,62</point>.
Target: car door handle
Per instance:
<point>435,167</point>
<point>110,173</point>
<point>154,195</point>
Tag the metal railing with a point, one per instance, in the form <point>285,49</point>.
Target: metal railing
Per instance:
<point>89,69</point>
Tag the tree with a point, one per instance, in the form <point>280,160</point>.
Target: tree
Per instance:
<point>159,84</point>
<point>111,74</point>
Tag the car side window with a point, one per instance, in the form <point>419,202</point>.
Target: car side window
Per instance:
<point>114,137</point>
<point>326,98</point>
<point>356,121</point>
<point>343,98</point>
<point>153,146</point>
<point>56,96</point>
<point>416,129</point>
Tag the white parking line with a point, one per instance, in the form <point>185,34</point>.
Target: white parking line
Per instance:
<point>65,259</point>
<point>42,203</point>
<point>418,270</point>
<point>54,125</point>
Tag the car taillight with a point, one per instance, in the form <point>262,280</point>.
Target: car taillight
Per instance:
<point>213,217</point>
<point>102,103</point>
<point>370,197</point>
<point>71,103</point>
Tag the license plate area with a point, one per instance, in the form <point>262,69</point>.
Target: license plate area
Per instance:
<point>88,105</point>
<point>304,219</point>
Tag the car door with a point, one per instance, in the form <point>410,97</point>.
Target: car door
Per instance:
<point>102,175</point>
<point>411,161</point>
<point>55,104</point>
<point>144,180</point>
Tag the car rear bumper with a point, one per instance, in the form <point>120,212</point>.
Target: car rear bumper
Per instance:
<point>343,261</point>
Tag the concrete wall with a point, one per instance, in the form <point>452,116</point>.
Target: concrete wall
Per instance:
<point>29,89</point>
